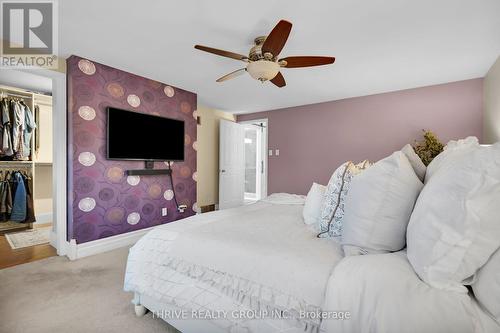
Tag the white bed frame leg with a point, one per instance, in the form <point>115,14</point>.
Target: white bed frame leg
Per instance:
<point>140,310</point>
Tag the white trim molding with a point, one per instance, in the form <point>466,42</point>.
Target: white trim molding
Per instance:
<point>77,251</point>
<point>44,218</point>
<point>59,156</point>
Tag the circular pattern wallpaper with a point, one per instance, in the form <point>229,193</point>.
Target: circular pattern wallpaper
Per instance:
<point>86,158</point>
<point>169,91</point>
<point>133,218</point>
<point>115,90</point>
<point>87,204</point>
<point>168,195</point>
<point>86,67</point>
<point>86,112</point>
<point>133,180</point>
<point>133,100</point>
<point>154,191</point>
<point>106,201</point>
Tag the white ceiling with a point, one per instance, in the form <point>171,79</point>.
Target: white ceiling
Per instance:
<point>380,45</point>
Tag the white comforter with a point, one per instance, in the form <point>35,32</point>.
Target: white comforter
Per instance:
<point>262,257</point>
<point>383,294</point>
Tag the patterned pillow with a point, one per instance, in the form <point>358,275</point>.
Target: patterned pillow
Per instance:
<point>332,208</point>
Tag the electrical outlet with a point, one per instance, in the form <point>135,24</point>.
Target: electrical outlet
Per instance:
<point>164,211</point>
<point>182,208</point>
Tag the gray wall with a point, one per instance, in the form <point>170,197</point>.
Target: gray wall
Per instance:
<point>492,104</point>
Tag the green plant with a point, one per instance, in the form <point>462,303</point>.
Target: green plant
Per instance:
<point>428,148</point>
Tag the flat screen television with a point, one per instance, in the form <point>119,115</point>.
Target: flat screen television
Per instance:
<point>143,137</point>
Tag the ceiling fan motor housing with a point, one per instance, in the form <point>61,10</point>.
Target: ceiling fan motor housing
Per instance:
<point>263,70</point>
<point>256,51</point>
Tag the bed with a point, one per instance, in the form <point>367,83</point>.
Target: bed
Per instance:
<point>259,268</point>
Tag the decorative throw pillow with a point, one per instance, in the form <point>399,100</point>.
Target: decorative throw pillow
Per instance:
<point>313,203</point>
<point>415,161</point>
<point>487,286</point>
<point>454,227</point>
<point>380,203</point>
<point>464,145</point>
<point>332,208</point>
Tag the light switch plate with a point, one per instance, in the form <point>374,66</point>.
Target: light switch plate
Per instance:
<point>164,211</point>
<point>277,152</point>
<point>270,152</point>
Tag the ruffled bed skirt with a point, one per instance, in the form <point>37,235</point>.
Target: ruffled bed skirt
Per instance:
<point>178,283</point>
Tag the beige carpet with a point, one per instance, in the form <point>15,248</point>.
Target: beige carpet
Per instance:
<point>57,295</point>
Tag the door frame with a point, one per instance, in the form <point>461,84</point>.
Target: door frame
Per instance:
<point>264,151</point>
<point>58,237</point>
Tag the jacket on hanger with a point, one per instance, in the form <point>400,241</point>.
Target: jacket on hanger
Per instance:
<point>30,207</point>
<point>20,199</point>
<point>18,127</point>
<point>37,126</point>
<point>29,126</point>
<point>6,199</point>
<point>6,147</point>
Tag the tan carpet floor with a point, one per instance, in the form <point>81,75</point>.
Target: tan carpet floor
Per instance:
<point>57,295</point>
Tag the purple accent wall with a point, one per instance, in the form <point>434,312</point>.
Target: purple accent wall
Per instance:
<point>315,139</point>
<point>102,200</point>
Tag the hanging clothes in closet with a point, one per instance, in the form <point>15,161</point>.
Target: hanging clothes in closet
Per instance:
<point>37,126</point>
<point>16,197</point>
<point>17,124</point>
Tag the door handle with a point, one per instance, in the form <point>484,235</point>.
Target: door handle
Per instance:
<point>222,171</point>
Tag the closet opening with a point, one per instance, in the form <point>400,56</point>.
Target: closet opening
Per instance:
<point>26,168</point>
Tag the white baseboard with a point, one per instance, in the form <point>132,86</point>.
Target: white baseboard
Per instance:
<point>53,239</point>
<point>77,251</point>
<point>44,218</point>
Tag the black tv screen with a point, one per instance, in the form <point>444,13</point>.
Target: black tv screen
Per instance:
<point>138,136</point>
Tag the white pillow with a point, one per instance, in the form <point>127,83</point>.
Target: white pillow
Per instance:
<point>468,143</point>
<point>379,206</point>
<point>455,226</point>
<point>313,202</point>
<point>332,208</point>
<point>415,161</point>
<point>487,286</point>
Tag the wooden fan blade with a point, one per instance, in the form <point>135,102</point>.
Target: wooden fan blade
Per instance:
<point>279,80</point>
<point>294,62</point>
<point>232,75</point>
<point>277,38</point>
<point>223,53</point>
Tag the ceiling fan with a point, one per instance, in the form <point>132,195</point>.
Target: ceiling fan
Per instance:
<point>263,61</point>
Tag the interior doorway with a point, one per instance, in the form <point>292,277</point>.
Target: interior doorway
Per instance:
<point>255,160</point>
<point>242,162</point>
<point>38,164</point>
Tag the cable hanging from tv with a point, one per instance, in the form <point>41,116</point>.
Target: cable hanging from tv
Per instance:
<point>180,208</point>
<point>149,171</point>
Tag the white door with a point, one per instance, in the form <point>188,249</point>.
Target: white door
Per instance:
<point>231,165</point>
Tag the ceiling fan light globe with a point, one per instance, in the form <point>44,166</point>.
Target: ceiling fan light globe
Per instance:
<point>263,70</point>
